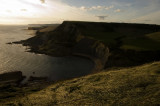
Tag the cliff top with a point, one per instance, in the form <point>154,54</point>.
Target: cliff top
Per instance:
<point>127,36</point>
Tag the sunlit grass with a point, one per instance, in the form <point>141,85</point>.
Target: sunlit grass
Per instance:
<point>154,36</point>
<point>140,44</point>
<point>131,86</point>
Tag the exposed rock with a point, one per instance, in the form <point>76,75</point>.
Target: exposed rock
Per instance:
<point>12,76</point>
<point>31,78</point>
<point>94,50</point>
<point>68,39</point>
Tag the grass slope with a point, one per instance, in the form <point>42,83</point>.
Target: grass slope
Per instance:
<point>155,36</point>
<point>138,37</point>
<point>147,42</point>
<point>131,86</point>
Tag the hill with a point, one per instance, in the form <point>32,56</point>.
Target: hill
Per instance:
<point>129,86</point>
<point>111,44</point>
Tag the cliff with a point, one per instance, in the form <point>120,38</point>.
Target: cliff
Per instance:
<point>67,39</point>
<point>128,44</point>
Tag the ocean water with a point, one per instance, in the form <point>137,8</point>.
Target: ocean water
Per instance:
<point>15,58</point>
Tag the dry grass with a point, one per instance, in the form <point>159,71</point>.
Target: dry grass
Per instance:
<point>132,86</point>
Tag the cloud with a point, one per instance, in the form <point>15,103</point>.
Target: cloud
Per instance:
<point>97,8</point>
<point>128,5</point>
<point>110,7</point>
<point>102,17</point>
<point>9,11</point>
<point>117,10</point>
<point>147,20</point>
<point>23,9</point>
<point>42,1</point>
<point>151,18</point>
<point>83,8</point>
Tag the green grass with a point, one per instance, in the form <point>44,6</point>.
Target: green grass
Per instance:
<point>143,43</point>
<point>133,39</point>
<point>130,86</point>
<point>10,90</point>
<point>107,38</point>
<point>140,44</point>
<point>154,36</point>
<point>137,43</point>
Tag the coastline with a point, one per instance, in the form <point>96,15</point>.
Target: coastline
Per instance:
<point>127,84</point>
<point>75,45</point>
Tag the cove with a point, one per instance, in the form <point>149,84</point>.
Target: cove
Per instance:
<point>15,58</point>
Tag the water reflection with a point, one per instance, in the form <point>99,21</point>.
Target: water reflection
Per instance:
<point>13,57</point>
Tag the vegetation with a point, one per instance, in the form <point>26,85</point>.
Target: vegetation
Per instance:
<point>11,90</point>
<point>154,36</point>
<point>138,37</point>
<point>129,45</point>
<point>130,86</point>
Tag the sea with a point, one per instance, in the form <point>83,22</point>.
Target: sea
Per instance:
<point>15,57</point>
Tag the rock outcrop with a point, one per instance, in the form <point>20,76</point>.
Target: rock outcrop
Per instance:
<point>92,40</point>
<point>12,76</point>
<point>93,49</point>
<point>68,39</point>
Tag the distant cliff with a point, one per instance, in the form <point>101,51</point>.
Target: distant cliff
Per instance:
<point>122,43</point>
<point>67,39</point>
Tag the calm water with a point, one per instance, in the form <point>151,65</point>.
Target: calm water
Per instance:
<point>14,58</point>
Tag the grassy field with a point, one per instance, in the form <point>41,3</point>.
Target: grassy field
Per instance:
<point>108,38</point>
<point>147,42</point>
<point>154,36</point>
<point>129,86</point>
<point>127,36</point>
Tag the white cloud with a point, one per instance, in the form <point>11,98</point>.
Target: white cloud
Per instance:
<point>83,8</point>
<point>110,7</point>
<point>23,9</point>
<point>97,8</point>
<point>32,11</point>
<point>117,10</point>
<point>151,18</point>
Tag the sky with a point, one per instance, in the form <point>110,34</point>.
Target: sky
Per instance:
<point>57,11</point>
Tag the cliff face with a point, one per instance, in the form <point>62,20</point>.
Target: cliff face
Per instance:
<point>92,49</point>
<point>67,39</point>
<point>129,44</point>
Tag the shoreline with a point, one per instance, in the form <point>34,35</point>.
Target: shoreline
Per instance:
<point>127,84</point>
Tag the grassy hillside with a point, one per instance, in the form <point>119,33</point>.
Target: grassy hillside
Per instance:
<point>131,86</point>
<point>49,28</point>
<point>123,35</point>
<point>154,36</point>
<point>129,44</point>
<point>147,42</point>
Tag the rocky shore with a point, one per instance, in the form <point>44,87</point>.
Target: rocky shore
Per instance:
<point>15,76</point>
